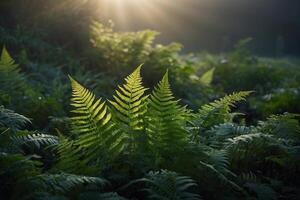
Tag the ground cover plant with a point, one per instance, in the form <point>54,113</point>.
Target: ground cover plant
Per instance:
<point>90,112</point>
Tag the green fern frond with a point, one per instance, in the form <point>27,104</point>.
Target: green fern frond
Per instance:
<point>129,109</point>
<point>11,79</point>
<point>129,101</point>
<point>62,183</point>
<point>35,139</point>
<point>96,139</point>
<point>10,119</point>
<point>167,119</point>
<point>220,133</point>
<point>219,111</point>
<point>71,158</point>
<point>207,77</point>
<point>212,172</point>
<point>168,185</point>
<point>283,126</point>
<point>7,64</point>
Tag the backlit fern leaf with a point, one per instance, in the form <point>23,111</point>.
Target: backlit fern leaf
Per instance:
<point>129,101</point>
<point>219,111</point>
<point>167,118</point>
<point>10,77</point>
<point>129,108</point>
<point>96,138</point>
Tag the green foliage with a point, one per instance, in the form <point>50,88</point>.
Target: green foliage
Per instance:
<point>168,185</point>
<point>219,111</point>
<point>104,146</point>
<point>117,52</point>
<point>10,119</point>
<point>96,138</point>
<point>167,120</point>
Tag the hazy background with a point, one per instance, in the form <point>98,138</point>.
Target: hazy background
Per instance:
<point>200,25</point>
<point>215,25</point>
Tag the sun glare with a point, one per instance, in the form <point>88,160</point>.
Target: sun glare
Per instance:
<point>126,12</point>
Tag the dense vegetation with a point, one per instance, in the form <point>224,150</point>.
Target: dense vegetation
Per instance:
<point>78,121</point>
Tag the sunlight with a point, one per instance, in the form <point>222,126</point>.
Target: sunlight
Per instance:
<point>126,12</point>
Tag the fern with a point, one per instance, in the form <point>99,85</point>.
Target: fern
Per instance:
<point>207,77</point>
<point>167,185</point>
<point>11,80</point>
<point>219,111</point>
<point>62,183</point>
<point>129,108</point>
<point>167,121</point>
<point>10,119</point>
<point>283,126</point>
<point>71,158</point>
<point>96,138</point>
<point>219,133</point>
<point>34,139</point>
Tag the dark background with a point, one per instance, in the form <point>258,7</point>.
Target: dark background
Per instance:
<point>200,25</point>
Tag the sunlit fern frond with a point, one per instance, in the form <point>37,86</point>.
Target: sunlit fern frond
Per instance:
<point>11,79</point>
<point>71,158</point>
<point>129,101</point>
<point>129,109</point>
<point>167,119</point>
<point>10,119</point>
<point>7,64</point>
<point>96,138</point>
<point>219,111</point>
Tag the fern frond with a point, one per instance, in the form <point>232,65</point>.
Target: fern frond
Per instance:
<point>95,134</point>
<point>12,120</point>
<point>168,185</point>
<point>283,126</point>
<point>219,111</point>
<point>11,79</point>
<point>219,133</point>
<point>129,101</point>
<point>62,183</point>
<point>7,64</point>
<point>207,77</point>
<point>212,171</point>
<point>167,119</point>
<point>35,139</point>
<point>71,158</point>
<point>129,108</point>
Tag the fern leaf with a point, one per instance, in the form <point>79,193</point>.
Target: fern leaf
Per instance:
<point>167,119</point>
<point>35,139</point>
<point>62,183</point>
<point>11,79</point>
<point>129,108</point>
<point>12,120</point>
<point>129,101</point>
<point>97,140</point>
<point>169,185</point>
<point>207,77</point>
<point>219,111</point>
